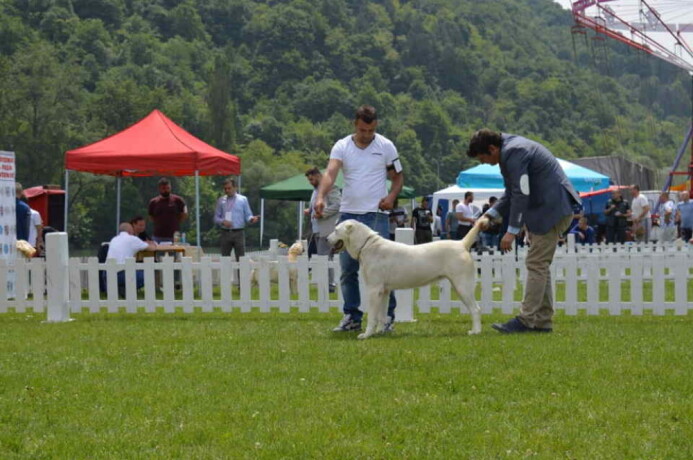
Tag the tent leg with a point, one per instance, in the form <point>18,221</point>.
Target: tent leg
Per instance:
<point>197,206</point>
<point>300,220</point>
<point>118,181</point>
<point>262,220</point>
<point>67,184</point>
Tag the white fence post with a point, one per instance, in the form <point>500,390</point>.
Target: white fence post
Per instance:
<point>58,310</point>
<point>405,297</point>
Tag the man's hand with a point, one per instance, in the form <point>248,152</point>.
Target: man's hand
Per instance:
<point>226,224</point>
<point>319,207</point>
<point>506,243</point>
<point>306,212</point>
<point>386,203</point>
<point>254,219</point>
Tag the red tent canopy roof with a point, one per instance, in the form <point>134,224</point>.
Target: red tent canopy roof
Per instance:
<point>154,145</point>
<point>602,191</point>
<point>42,190</point>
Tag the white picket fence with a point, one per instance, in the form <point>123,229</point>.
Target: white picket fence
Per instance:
<point>633,278</point>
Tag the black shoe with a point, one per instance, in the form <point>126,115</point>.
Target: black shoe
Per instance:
<point>515,326</point>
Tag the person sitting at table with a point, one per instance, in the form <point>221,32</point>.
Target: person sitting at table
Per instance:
<point>125,245</point>
<point>139,226</point>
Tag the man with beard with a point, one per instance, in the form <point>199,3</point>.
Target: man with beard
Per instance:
<point>167,211</point>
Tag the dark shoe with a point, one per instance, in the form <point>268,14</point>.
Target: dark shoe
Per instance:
<point>389,325</point>
<point>347,325</point>
<point>332,288</point>
<point>515,326</point>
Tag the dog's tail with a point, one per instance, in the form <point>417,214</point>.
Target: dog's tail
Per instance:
<point>470,237</point>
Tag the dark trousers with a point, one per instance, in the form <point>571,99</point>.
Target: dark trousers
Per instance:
<point>232,239</point>
<point>686,234</point>
<point>423,235</point>
<point>615,234</point>
<point>462,231</point>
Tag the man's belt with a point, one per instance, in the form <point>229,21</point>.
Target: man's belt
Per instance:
<point>232,229</point>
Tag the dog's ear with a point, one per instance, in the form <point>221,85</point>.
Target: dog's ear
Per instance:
<point>348,226</point>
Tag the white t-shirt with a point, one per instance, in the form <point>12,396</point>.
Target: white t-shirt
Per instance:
<point>638,206</point>
<point>467,211</point>
<point>123,246</point>
<point>667,207</point>
<point>34,221</point>
<point>365,172</point>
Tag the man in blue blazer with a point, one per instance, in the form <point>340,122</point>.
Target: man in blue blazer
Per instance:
<point>538,196</point>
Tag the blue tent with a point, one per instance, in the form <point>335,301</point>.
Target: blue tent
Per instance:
<point>487,176</point>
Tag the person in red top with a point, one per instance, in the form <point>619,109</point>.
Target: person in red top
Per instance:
<point>166,211</point>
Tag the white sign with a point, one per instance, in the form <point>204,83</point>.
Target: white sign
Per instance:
<point>8,219</point>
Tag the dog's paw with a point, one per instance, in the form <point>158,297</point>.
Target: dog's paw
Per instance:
<point>362,336</point>
<point>474,332</point>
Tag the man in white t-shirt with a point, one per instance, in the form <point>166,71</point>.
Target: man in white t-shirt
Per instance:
<point>124,246</point>
<point>465,215</point>
<point>35,226</point>
<point>366,160</point>
<point>640,210</point>
<point>667,218</point>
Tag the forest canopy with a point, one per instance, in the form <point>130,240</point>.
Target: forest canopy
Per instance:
<point>277,82</point>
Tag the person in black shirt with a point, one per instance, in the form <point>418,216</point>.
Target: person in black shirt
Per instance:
<point>421,220</point>
<point>617,211</point>
<point>139,226</point>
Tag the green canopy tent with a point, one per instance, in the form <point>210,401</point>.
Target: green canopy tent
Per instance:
<point>297,188</point>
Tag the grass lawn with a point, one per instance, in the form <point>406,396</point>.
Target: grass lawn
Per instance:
<point>283,386</point>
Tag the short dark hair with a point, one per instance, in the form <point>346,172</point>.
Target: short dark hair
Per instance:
<point>366,113</point>
<point>468,194</point>
<point>231,182</point>
<point>636,187</point>
<point>164,181</point>
<point>136,219</point>
<point>314,171</point>
<point>492,200</point>
<point>482,140</point>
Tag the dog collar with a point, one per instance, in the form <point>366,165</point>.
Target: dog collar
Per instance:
<point>358,256</point>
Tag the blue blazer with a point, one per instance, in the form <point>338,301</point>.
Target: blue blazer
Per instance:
<point>537,194</point>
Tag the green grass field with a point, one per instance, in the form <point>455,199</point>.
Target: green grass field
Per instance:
<point>283,386</point>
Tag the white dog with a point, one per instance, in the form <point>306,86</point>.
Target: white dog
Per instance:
<point>387,265</point>
<point>295,250</point>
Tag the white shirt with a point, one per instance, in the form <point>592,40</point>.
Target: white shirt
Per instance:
<point>34,221</point>
<point>123,246</point>
<point>467,211</point>
<point>365,172</point>
<point>638,206</point>
<point>667,207</point>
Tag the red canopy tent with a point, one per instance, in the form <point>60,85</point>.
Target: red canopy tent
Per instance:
<point>153,146</point>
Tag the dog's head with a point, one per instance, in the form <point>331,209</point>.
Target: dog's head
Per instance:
<point>296,249</point>
<point>349,235</point>
<point>339,235</point>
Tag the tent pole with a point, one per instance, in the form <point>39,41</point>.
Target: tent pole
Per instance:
<point>262,220</point>
<point>118,179</point>
<point>67,183</point>
<point>300,220</point>
<point>197,206</point>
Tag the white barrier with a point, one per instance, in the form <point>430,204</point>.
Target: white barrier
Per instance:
<point>632,278</point>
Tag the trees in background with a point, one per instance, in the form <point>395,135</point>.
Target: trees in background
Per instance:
<point>277,82</point>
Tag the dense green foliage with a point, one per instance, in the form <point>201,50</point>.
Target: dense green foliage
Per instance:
<point>277,82</point>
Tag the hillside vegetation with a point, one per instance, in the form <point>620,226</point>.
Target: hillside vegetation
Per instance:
<point>276,82</point>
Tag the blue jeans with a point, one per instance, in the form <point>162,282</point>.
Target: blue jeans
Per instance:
<point>350,267</point>
<point>139,280</point>
<point>490,240</point>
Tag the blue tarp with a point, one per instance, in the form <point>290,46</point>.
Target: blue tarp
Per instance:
<point>487,176</point>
